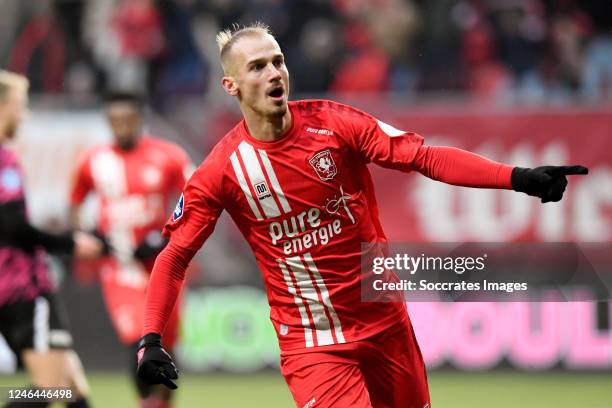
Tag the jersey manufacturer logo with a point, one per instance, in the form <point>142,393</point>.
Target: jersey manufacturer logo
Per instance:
<point>262,190</point>
<point>178,210</point>
<point>320,131</point>
<point>259,183</point>
<point>323,163</point>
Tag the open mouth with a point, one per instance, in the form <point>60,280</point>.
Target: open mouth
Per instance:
<point>277,93</point>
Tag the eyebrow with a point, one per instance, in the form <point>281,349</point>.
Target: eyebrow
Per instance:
<point>263,59</point>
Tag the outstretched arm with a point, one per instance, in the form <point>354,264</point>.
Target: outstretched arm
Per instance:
<point>462,168</point>
<point>459,167</point>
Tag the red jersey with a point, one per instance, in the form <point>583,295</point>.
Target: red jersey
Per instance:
<point>305,203</point>
<point>134,187</point>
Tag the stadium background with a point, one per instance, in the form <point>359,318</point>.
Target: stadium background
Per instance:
<point>521,81</point>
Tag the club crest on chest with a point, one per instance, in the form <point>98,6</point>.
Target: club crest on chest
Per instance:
<point>324,165</point>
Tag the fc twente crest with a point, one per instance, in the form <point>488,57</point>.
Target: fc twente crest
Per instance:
<point>323,164</point>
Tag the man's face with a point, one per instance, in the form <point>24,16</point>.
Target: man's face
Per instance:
<point>12,111</point>
<point>258,76</point>
<point>125,122</point>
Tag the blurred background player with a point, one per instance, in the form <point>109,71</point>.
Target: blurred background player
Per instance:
<point>134,179</point>
<point>274,172</point>
<point>31,319</point>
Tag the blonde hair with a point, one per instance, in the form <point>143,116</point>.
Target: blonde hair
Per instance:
<point>228,37</point>
<point>11,80</point>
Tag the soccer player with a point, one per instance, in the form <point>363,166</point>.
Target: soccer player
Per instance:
<point>294,177</point>
<point>31,319</point>
<point>134,179</point>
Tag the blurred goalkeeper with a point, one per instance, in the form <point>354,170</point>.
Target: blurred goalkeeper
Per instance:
<point>31,318</point>
<point>294,177</point>
<point>134,179</point>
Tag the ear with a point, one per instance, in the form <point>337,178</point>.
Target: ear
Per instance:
<point>229,85</point>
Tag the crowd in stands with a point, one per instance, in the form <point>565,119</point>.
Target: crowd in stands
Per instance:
<point>526,51</point>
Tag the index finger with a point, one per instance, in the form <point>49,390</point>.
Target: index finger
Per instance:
<point>167,382</point>
<point>573,170</point>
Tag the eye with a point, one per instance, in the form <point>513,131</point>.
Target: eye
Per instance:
<point>278,62</point>
<point>257,66</point>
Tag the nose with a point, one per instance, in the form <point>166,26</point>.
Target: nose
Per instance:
<point>274,73</point>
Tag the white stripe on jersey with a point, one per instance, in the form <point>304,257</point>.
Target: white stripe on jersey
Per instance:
<point>316,307</point>
<point>110,179</point>
<point>108,173</point>
<point>325,296</point>
<point>256,176</point>
<point>244,186</point>
<point>299,303</point>
<point>275,184</point>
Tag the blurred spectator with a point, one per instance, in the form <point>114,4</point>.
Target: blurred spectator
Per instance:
<point>395,26</point>
<point>597,73</point>
<point>366,66</point>
<point>138,27</point>
<point>39,50</point>
<point>487,78</point>
<point>181,69</point>
<point>520,33</point>
<point>312,69</point>
<point>568,32</point>
<point>443,21</point>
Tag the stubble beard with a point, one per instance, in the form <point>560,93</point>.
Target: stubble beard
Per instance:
<point>278,112</point>
<point>273,112</point>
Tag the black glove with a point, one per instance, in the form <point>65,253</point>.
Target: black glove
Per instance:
<point>155,366</point>
<point>546,182</point>
<point>150,247</point>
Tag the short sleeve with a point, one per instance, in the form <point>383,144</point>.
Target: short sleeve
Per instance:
<point>198,208</point>
<point>379,142</point>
